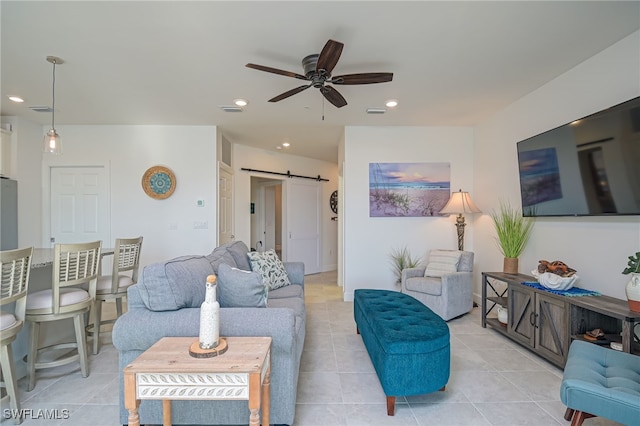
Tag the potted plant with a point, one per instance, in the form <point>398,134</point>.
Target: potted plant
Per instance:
<point>402,259</point>
<point>633,286</point>
<point>513,231</point>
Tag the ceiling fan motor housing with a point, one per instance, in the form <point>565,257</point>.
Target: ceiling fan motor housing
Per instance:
<point>309,64</point>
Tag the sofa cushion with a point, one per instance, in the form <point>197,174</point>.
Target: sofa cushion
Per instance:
<point>240,289</point>
<point>286,292</point>
<point>175,284</point>
<point>219,256</point>
<point>442,262</point>
<point>271,267</point>
<point>239,250</point>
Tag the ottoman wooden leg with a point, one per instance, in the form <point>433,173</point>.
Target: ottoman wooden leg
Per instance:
<point>391,405</point>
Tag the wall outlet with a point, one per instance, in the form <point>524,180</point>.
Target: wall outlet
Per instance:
<point>173,226</point>
<point>200,203</point>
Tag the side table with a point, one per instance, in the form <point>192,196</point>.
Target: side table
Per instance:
<point>167,372</point>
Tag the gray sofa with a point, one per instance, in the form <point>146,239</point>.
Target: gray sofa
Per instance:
<point>166,302</point>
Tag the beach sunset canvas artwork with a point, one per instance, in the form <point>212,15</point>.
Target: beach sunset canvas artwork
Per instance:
<point>408,189</point>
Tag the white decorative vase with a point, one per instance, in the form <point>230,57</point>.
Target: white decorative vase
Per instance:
<point>633,292</point>
<point>503,315</point>
<point>210,316</point>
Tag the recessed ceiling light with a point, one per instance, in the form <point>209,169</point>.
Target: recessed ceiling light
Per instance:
<point>391,103</point>
<point>240,102</point>
<point>16,99</point>
<point>286,144</point>
<point>278,147</point>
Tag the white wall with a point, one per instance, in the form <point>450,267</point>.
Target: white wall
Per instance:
<point>368,241</point>
<point>128,151</point>
<point>596,247</point>
<point>258,159</point>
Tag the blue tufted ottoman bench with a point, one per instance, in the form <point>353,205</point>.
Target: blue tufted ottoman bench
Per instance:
<point>408,344</point>
<point>601,382</point>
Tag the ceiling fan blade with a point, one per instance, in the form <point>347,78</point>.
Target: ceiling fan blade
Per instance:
<point>333,96</point>
<point>329,56</point>
<point>289,93</point>
<point>364,78</point>
<point>276,71</point>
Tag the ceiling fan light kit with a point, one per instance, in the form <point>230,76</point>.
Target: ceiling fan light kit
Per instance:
<point>317,72</point>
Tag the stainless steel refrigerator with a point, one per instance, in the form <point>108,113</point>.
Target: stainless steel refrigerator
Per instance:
<point>8,214</point>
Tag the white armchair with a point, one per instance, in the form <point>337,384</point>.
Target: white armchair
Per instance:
<point>447,288</point>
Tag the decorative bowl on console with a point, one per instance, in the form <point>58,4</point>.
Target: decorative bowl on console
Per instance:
<point>554,281</point>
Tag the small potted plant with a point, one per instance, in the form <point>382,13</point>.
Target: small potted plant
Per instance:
<point>513,231</point>
<point>633,286</point>
<point>402,259</point>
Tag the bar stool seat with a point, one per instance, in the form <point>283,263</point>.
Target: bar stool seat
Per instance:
<point>14,283</point>
<point>74,265</point>
<point>124,274</point>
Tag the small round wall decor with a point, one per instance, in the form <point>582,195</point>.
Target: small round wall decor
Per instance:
<point>159,182</point>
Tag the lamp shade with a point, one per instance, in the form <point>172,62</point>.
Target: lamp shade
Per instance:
<point>460,202</point>
<point>51,142</point>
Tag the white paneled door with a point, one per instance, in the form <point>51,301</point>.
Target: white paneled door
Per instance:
<point>303,223</point>
<point>79,205</point>
<point>225,204</point>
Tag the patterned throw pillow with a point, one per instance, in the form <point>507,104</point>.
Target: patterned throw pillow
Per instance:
<point>442,262</point>
<point>270,267</point>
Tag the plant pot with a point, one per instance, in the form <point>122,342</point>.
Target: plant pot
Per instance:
<point>633,292</point>
<point>510,265</point>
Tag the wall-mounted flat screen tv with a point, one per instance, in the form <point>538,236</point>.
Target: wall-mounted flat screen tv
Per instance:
<point>589,167</point>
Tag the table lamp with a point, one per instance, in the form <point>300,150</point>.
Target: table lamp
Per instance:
<point>460,202</point>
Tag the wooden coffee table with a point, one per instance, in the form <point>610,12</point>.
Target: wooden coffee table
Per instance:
<point>167,372</point>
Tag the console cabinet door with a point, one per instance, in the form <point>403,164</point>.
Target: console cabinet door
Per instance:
<point>552,336</point>
<point>521,318</point>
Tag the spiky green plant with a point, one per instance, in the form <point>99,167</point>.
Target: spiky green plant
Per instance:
<point>633,267</point>
<point>513,230</point>
<point>401,259</point>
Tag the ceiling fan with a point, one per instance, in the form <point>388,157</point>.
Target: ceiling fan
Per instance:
<point>317,71</point>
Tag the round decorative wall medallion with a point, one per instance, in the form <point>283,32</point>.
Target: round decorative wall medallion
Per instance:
<point>159,182</point>
<point>333,202</point>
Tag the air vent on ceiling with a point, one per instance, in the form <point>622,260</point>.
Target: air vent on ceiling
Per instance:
<point>41,108</point>
<point>228,108</point>
<point>376,110</point>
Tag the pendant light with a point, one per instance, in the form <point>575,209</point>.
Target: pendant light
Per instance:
<point>51,142</point>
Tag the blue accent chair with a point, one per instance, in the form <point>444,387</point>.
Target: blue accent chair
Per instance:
<point>601,382</point>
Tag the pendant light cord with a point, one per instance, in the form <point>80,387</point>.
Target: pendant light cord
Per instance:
<point>53,96</point>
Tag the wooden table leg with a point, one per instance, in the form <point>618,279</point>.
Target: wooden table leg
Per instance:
<point>131,403</point>
<point>255,388</point>
<point>266,397</point>
<point>166,412</point>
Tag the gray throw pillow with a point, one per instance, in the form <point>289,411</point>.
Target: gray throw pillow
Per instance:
<point>240,289</point>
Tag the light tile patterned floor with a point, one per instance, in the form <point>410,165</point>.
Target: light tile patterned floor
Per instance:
<point>493,380</point>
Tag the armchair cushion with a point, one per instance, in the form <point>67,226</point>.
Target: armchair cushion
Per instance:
<point>442,262</point>
<point>427,285</point>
